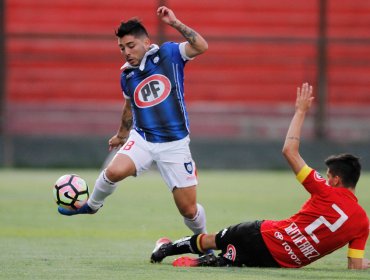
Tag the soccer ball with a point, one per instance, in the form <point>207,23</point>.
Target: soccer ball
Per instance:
<point>71,191</point>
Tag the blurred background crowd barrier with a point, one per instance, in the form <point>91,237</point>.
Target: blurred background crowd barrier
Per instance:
<point>60,69</point>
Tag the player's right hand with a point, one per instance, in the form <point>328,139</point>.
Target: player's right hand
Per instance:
<point>116,142</point>
<point>166,15</point>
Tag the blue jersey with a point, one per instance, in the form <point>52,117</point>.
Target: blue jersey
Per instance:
<point>156,92</point>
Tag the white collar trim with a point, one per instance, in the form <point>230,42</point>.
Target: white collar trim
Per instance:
<point>152,49</point>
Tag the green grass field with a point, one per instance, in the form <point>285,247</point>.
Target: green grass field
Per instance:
<point>38,243</point>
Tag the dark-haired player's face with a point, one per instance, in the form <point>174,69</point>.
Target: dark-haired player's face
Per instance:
<point>133,48</point>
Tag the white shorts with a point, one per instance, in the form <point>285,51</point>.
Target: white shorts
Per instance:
<point>173,159</point>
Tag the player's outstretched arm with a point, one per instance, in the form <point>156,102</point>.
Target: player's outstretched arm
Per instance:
<point>126,123</point>
<point>197,44</point>
<point>358,263</point>
<point>292,140</point>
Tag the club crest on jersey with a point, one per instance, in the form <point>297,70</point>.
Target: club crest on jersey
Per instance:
<point>318,177</point>
<point>230,252</point>
<point>152,91</point>
<point>189,167</point>
<point>156,59</point>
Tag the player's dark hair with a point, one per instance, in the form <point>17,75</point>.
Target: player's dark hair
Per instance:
<point>131,27</point>
<point>345,166</point>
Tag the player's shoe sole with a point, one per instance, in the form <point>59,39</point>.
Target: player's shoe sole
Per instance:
<point>185,262</point>
<point>205,260</point>
<point>85,209</point>
<point>160,250</point>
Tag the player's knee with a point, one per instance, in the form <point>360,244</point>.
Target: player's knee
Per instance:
<point>188,211</point>
<point>118,170</point>
<point>114,174</point>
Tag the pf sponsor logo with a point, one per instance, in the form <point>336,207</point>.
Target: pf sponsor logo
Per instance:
<point>230,253</point>
<point>152,91</point>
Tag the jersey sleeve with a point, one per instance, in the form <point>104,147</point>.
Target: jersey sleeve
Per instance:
<point>123,86</point>
<point>183,53</point>
<point>125,96</point>
<point>313,182</point>
<point>177,52</point>
<point>356,247</point>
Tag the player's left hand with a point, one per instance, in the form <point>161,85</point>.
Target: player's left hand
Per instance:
<point>304,98</point>
<point>166,15</point>
<point>365,264</point>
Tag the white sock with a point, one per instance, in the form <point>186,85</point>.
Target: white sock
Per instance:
<point>198,223</point>
<point>103,188</point>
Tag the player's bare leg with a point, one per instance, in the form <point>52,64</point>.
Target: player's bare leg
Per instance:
<point>193,213</point>
<point>118,169</point>
<point>185,199</point>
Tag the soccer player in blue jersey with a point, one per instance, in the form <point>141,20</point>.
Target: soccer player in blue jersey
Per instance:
<point>154,124</point>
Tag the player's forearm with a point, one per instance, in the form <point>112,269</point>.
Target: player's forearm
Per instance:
<point>193,38</point>
<point>126,124</point>
<point>293,135</point>
<point>358,263</point>
<point>292,141</point>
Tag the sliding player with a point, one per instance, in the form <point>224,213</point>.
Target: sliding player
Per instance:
<point>329,220</point>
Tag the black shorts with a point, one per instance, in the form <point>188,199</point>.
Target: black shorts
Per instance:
<point>243,245</point>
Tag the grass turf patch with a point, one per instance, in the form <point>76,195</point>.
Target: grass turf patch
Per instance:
<point>38,243</point>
